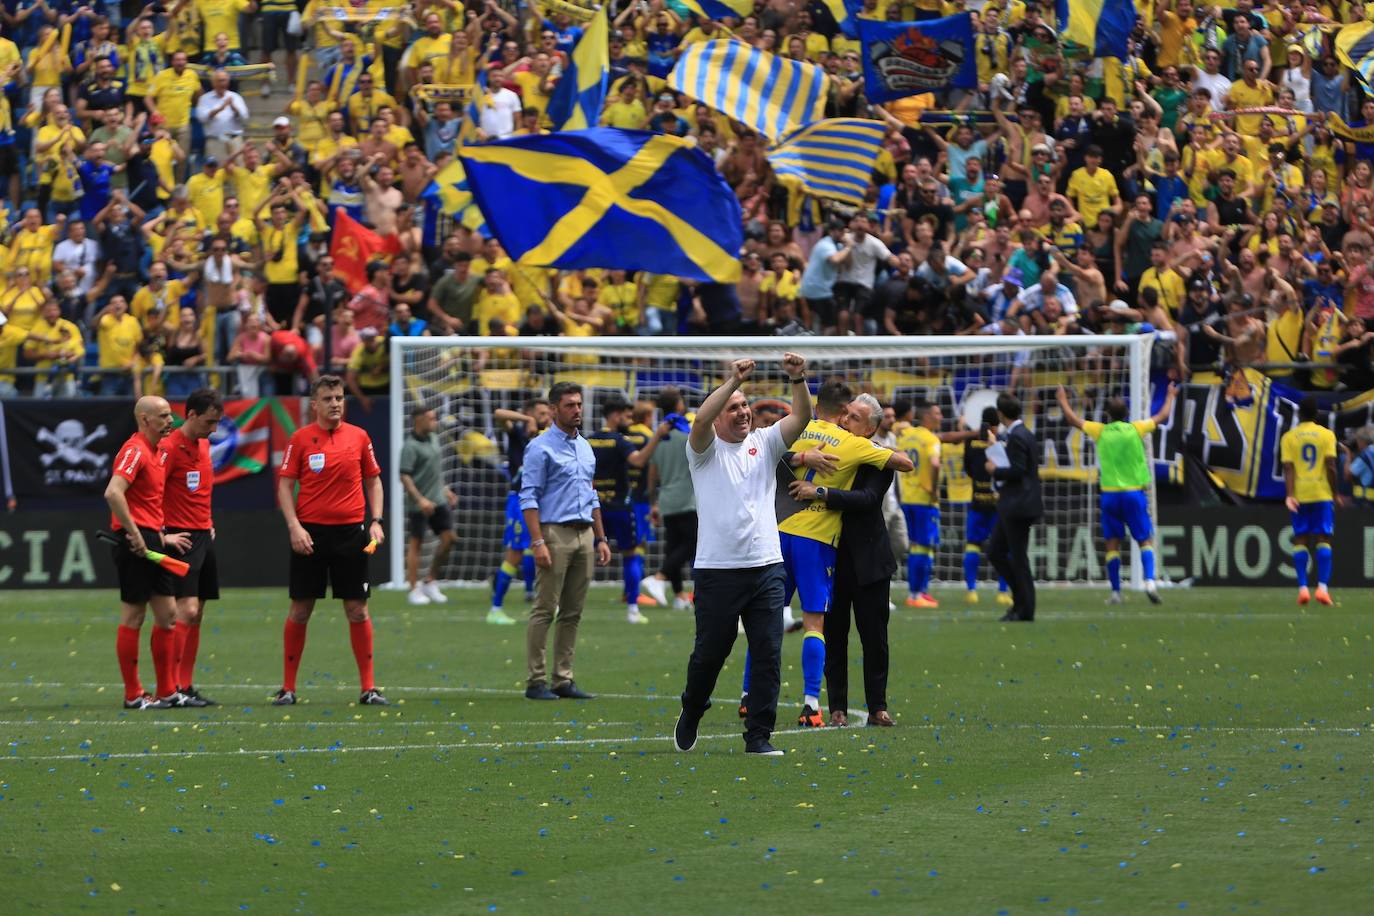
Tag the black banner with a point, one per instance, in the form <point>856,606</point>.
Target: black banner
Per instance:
<point>59,550</point>
<point>64,448</point>
<point>1253,546</point>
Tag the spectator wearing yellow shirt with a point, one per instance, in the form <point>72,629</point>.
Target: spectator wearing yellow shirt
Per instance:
<point>1092,188</point>
<point>627,111</point>
<point>221,16</point>
<point>429,48</point>
<point>1162,278</point>
<point>282,268</point>
<point>621,296</point>
<point>369,368</point>
<point>54,344</point>
<point>535,86</point>
<point>12,338</point>
<point>460,67</point>
<point>206,190</point>
<point>326,32</point>
<point>143,60</point>
<point>172,94</point>
<point>48,62</point>
<point>658,299</point>
<point>495,301</point>
<point>56,147</point>
<point>118,335</point>
<point>252,180</point>
<point>159,296</point>
<point>1249,92</point>
<point>331,147</point>
<point>365,104</point>
<point>166,154</point>
<point>33,244</point>
<point>311,110</point>
<point>21,301</point>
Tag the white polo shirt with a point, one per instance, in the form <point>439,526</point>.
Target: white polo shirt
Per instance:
<point>735,482</point>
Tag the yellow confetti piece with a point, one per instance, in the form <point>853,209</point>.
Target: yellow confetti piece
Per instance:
<point>116,888</point>
<point>819,881</point>
<point>1177,865</point>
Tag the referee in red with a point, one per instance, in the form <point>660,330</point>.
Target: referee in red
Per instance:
<point>332,462</point>
<point>190,476</point>
<point>135,498</point>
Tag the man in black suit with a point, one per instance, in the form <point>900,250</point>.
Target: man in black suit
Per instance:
<point>863,572</point>
<point>1018,508</point>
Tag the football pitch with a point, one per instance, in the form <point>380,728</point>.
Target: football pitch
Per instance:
<point>1213,754</point>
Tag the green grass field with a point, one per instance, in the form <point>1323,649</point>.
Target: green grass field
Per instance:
<point>1214,754</point>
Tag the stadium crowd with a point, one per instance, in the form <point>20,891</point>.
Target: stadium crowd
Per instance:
<point>157,228</point>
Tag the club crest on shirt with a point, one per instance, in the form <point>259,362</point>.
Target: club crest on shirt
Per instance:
<point>193,480</point>
<point>316,462</point>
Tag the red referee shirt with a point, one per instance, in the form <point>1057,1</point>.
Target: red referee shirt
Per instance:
<point>141,465</point>
<point>190,479</point>
<point>330,466</point>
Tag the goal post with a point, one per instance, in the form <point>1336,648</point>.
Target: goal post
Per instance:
<point>465,379</point>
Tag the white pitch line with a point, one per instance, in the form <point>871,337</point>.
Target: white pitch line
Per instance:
<point>142,718</point>
<point>382,748</point>
<point>500,691</point>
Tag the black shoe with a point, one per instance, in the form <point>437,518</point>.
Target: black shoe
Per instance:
<point>762,749</point>
<point>139,702</point>
<point>540,691</point>
<point>189,698</point>
<point>284,697</point>
<point>1013,617</point>
<point>372,697</point>
<point>795,626</point>
<point>570,691</point>
<point>171,701</point>
<point>196,694</point>
<point>685,735</point>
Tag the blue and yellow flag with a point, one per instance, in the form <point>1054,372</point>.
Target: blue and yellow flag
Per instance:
<point>1355,48</point>
<point>911,58</point>
<point>609,198</point>
<point>472,115</point>
<point>833,158</point>
<point>773,95</point>
<point>581,91</point>
<point>1101,26</point>
<point>720,9</point>
<point>450,192</point>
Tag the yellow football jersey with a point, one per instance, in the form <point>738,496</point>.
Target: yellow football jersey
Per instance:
<point>815,521</point>
<point>1306,447</point>
<point>923,448</point>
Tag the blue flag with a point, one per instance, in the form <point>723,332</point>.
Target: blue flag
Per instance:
<point>909,58</point>
<point>833,158</point>
<point>774,95</point>
<point>581,91</point>
<point>1102,26</point>
<point>610,198</point>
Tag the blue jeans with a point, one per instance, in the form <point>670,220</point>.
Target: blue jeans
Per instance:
<point>181,384</point>
<point>116,385</point>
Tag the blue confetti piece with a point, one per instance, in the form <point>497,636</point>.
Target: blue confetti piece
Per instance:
<point>873,893</point>
<point>543,831</point>
<point>678,878</point>
<point>319,788</point>
<point>517,873</point>
<point>278,801</point>
<point>96,830</point>
<point>1315,870</point>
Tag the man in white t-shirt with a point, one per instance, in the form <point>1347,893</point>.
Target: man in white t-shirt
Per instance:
<point>738,573</point>
<point>500,112</point>
<point>858,272</point>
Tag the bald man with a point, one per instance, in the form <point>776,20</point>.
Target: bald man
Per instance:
<point>135,498</point>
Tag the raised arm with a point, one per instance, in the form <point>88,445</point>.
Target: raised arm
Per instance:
<point>703,426</point>
<point>1070,417</point>
<point>1167,407</point>
<point>793,424</point>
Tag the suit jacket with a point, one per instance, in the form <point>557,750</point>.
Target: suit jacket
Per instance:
<point>1019,495</point>
<point>863,534</point>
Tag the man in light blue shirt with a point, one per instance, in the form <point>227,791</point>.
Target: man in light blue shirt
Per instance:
<point>818,280</point>
<point>563,516</point>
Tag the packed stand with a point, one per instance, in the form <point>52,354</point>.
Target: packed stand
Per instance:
<point>174,176</point>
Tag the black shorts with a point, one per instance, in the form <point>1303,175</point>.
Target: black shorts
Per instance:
<point>202,581</point>
<point>274,34</point>
<point>438,521</point>
<point>9,161</point>
<point>852,297</point>
<point>140,578</point>
<point>824,309</point>
<point>282,299</point>
<point>337,561</point>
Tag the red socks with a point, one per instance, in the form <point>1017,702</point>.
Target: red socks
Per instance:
<point>293,644</point>
<point>126,650</point>
<point>164,646</point>
<point>188,644</point>
<point>360,634</point>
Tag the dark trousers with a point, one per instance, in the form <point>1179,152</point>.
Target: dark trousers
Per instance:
<point>724,597</point>
<point>680,545</point>
<point>869,603</point>
<point>1007,551</point>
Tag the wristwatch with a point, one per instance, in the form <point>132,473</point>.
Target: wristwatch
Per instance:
<point>820,493</point>
<point>599,541</point>
<point>798,380</point>
<point>379,521</point>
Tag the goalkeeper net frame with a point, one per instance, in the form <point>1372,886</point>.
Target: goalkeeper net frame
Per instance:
<point>465,379</point>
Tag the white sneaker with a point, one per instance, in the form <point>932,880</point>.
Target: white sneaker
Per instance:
<point>681,604</point>
<point>417,596</point>
<point>431,590</point>
<point>1115,598</point>
<point>1152,592</point>
<point>632,615</point>
<point>655,588</point>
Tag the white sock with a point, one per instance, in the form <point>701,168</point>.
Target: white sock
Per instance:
<point>813,702</point>
<point>787,619</point>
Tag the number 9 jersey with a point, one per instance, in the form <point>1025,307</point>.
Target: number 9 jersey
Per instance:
<point>1307,447</point>
<point>923,448</point>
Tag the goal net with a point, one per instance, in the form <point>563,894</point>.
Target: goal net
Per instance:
<point>467,379</point>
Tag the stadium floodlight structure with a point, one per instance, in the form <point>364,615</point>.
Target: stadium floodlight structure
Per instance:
<point>465,379</point>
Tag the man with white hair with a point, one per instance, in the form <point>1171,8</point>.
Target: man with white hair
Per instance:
<point>863,573</point>
<point>224,114</point>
